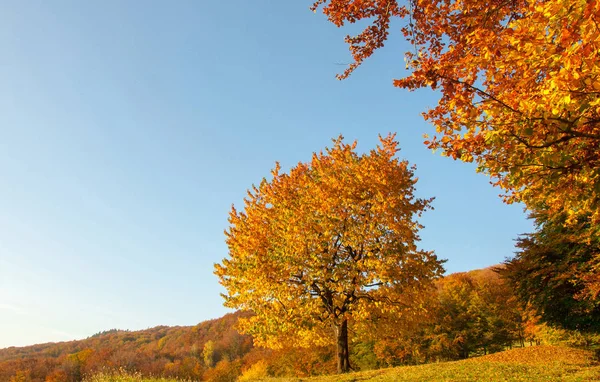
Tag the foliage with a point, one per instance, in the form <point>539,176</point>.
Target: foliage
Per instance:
<point>363,356</point>
<point>469,314</point>
<point>329,244</point>
<point>208,353</point>
<point>562,337</point>
<point>162,351</point>
<point>104,332</point>
<point>546,273</point>
<point>21,376</point>
<point>303,362</point>
<point>259,370</point>
<point>519,83</point>
<point>477,313</point>
<point>224,371</point>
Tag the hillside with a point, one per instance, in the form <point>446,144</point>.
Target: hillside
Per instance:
<point>175,351</point>
<point>469,314</point>
<point>202,352</point>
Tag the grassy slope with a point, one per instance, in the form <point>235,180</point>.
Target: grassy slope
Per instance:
<point>125,378</point>
<point>538,363</point>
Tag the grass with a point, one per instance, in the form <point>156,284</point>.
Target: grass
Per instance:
<point>121,376</point>
<point>539,363</point>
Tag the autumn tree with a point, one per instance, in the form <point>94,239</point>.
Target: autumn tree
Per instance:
<point>21,376</point>
<point>208,353</point>
<point>546,273</point>
<point>519,83</point>
<point>327,245</point>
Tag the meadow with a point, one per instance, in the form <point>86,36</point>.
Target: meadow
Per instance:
<point>125,377</point>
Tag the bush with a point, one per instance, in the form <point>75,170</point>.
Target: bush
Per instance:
<point>255,372</point>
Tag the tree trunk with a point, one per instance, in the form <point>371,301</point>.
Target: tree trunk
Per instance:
<point>464,353</point>
<point>343,355</point>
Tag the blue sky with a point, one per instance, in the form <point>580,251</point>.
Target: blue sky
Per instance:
<point>128,129</point>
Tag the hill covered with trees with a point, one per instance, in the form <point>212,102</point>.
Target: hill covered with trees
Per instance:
<point>469,314</point>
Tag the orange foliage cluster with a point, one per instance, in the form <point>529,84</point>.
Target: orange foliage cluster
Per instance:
<point>519,82</point>
<point>520,93</point>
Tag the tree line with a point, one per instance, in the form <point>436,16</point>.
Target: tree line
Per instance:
<point>468,314</point>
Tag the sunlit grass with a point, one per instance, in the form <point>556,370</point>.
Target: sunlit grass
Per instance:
<point>122,376</point>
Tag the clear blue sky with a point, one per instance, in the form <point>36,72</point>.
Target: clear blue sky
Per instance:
<point>127,130</point>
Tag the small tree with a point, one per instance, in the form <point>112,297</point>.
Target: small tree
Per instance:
<point>208,353</point>
<point>327,245</point>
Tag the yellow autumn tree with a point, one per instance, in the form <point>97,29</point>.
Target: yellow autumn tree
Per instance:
<point>325,246</point>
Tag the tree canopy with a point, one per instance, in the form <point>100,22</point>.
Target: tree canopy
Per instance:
<point>520,88</point>
<point>327,245</point>
<point>552,272</point>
